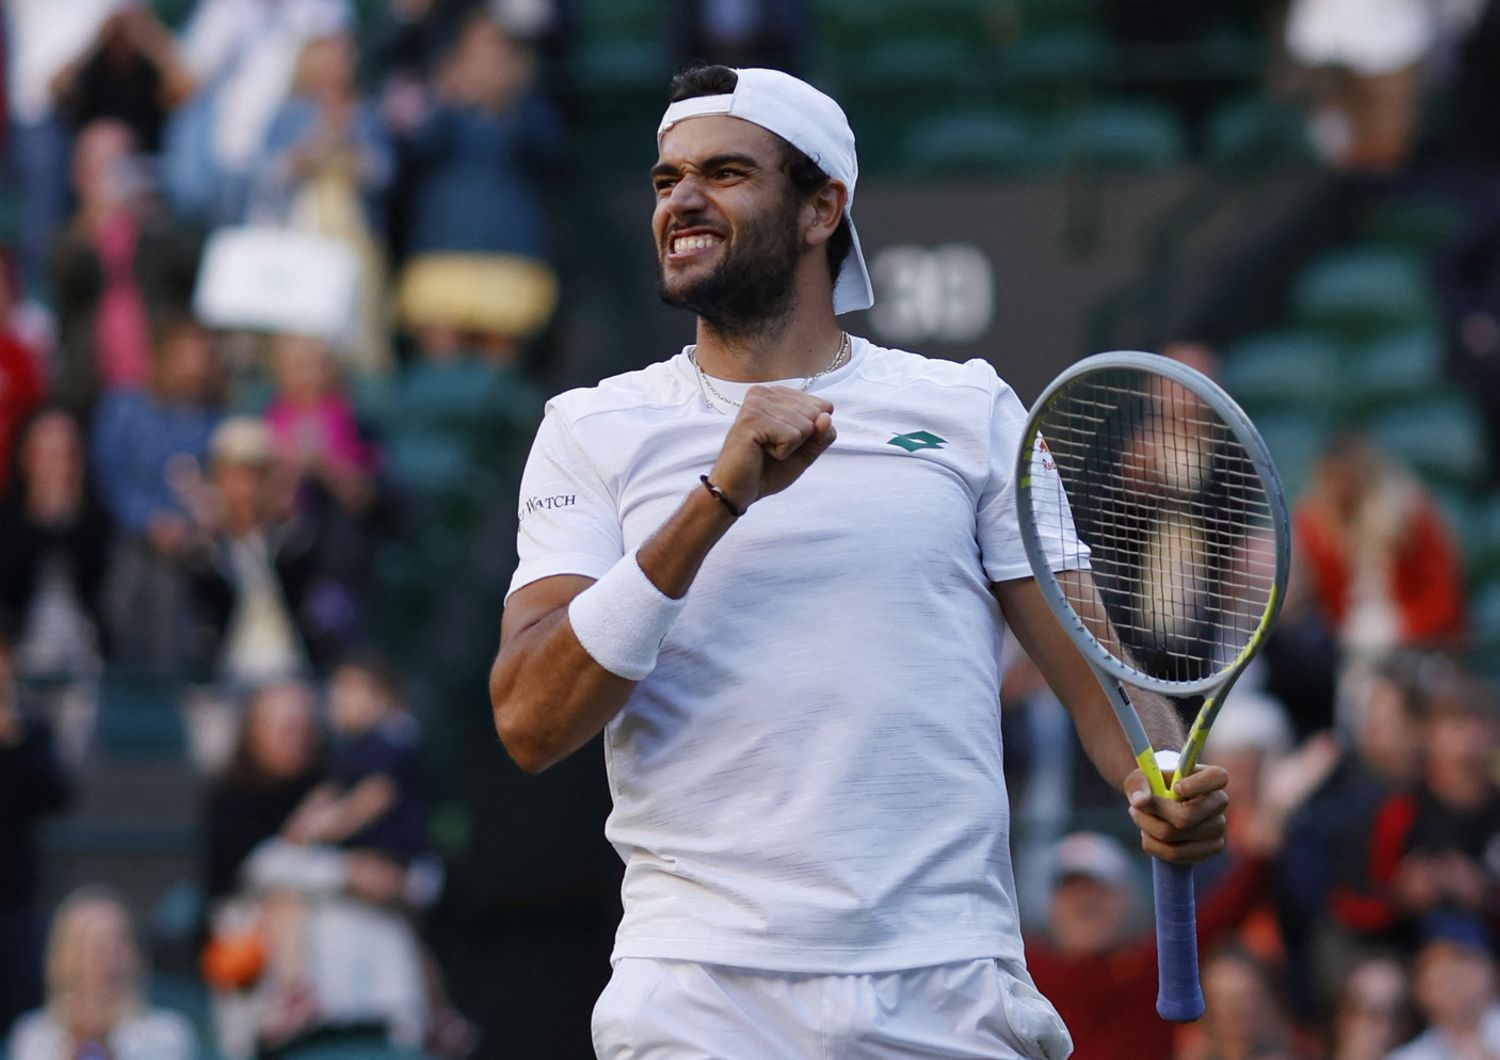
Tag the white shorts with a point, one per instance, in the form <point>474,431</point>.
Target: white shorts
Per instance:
<point>679,1010</point>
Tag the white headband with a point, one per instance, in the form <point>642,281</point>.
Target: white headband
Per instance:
<point>811,122</point>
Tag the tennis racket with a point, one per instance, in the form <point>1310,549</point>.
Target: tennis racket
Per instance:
<point>1156,528</point>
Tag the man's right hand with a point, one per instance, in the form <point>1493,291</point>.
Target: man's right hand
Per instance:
<point>777,435</point>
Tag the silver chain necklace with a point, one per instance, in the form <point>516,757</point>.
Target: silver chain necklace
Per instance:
<point>708,388</point>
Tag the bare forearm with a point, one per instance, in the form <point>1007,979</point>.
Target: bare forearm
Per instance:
<point>550,696</point>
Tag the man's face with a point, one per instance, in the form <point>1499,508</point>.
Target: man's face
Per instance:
<point>1454,984</point>
<point>1088,915</point>
<point>728,227</point>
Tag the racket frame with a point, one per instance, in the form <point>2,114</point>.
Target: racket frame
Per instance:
<point>1180,998</point>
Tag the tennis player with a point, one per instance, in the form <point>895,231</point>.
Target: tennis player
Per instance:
<point>774,570</point>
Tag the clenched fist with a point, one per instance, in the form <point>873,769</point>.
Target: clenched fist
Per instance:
<point>777,435</point>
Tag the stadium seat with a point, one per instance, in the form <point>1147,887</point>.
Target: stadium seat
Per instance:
<point>1394,368</point>
<point>1482,539</point>
<point>1441,436</point>
<point>139,716</point>
<point>912,73</point>
<point>1282,370</point>
<point>1484,616</point>
<point>1416,223</point>
<point>1295,441</point>
<point>1258,131</point>
<point>1121,136</point>
<point>1362,290</point>
<point>640,19</point>
<point>987,141</point>
<point>1067,56</point>
<point>603,70</point>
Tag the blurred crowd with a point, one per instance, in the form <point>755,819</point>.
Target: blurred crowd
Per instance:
<point>267,262</point>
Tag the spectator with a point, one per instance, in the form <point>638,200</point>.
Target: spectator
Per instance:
<point>372,799</point>
<point>43,37</point>
<point>1242,1017</point>
<point>1373,1014</point>
<point>317,443</point>
<point>31,786</point>
<point>1383,564</point>
<point>131,73</point>
<point>1454,983</point>
<point>54,546</point>
<point>476,229</point>
<point>244,55</point>
<point>54,541</point>
<point>337,949</point>
<point>146,446</point>
<point>1363,66</point>
<point>275,764</point>
<point>271,612</point>
<point>1100,975</point>
<point>327,164</point>
<point>1325,847</point>
<point>1426,850</point>
<point>120,261</point>
<point>21,390</point>
<point>1098,972</point>
<point>96,1005</point>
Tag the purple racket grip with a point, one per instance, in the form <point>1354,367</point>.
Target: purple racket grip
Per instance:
<point>1179,997</point>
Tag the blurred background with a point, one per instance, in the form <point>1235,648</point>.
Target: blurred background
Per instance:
<point>284,285</point>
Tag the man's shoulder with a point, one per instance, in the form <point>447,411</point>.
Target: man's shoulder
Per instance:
<point>903,368</point>
<point>655,386</point>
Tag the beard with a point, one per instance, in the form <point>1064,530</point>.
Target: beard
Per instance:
<point>752,285</point>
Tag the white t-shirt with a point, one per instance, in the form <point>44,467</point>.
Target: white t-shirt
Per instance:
<point>810,780</point>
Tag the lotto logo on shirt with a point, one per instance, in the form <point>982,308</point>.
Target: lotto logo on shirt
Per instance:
<point>548,504</point>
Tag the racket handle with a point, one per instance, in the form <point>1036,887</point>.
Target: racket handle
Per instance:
<point>1179,997</point>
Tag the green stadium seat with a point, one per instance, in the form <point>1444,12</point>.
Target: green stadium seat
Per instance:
<point>1032,16</point>
<point>1295,440</point>
<point>1362,290</point>
<point>139,716</point>
<point>1066,56</point>
<point>1258,131</point>
<point>1122,136</point>
<point>1484,616</point>
<point>614,19</point>
<point>986,141</point>
<point>1440,436</point>
<point>1393,368</point>
<point>374,398</point>
<point>431,464</point>
<point>914,72</point>
<point>1482,539</point>
<point>1416,223</point>
<point>604,69</point>
<point>1285,369</point>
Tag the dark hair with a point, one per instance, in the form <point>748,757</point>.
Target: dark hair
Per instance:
<point>805,175</point>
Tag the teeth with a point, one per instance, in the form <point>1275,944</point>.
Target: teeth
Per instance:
<point>693,243</point>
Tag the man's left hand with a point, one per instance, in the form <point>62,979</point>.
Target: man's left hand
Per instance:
<point>1186,829</point>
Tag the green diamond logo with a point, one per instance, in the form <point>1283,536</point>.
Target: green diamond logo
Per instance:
<point>915,440</point>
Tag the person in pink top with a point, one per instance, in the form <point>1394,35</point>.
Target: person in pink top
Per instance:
<point>313,426</point>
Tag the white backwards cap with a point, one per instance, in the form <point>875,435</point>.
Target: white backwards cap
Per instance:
<point>811,122</point>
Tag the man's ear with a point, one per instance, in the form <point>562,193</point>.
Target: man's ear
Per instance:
<point>824,211</point>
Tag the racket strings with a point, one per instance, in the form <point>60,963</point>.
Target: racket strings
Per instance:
<point>1158,497</point>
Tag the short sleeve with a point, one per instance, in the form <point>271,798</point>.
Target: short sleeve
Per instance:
<point>1000,547</point>
<point>569,521</point>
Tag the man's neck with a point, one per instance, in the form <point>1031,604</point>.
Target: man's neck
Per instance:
<point>797,345</point>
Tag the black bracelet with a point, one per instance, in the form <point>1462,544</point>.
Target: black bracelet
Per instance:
<point>720,496</point>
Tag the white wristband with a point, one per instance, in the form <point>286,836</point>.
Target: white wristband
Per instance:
<point>622,619</point>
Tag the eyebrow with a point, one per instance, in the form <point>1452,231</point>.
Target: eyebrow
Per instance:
<point>667,169</point>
